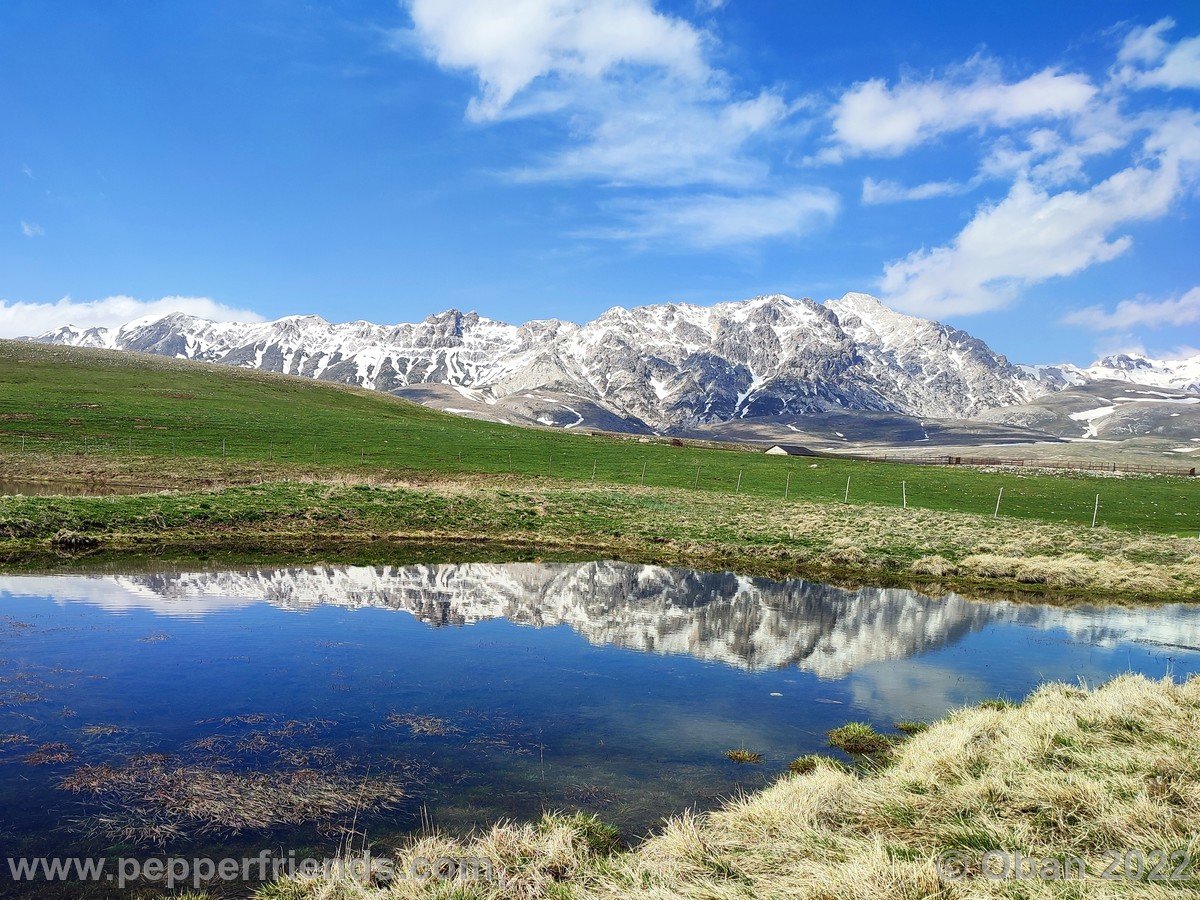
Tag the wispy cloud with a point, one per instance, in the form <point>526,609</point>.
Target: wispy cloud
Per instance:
<point>709,221</point>
<point>1140,312</point>
<point>23,319</point>
<point>31,229</point>
<point>876,192</point>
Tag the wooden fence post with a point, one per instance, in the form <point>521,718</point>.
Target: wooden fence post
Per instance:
<point>996,514</point>
<point>644,473</point>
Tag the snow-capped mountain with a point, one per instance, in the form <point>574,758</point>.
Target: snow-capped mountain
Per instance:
<point>665,367</point>
<point>1177,374</point>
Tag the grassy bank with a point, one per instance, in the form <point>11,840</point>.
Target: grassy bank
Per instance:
<point>1069,775</point>
<point>129,418</point>
<point>696,528</point>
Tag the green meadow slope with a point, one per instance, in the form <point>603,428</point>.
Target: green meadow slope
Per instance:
<point>273,467</point>
<point>73,413</point>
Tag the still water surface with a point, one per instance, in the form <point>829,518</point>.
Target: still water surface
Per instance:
<point>482,691</point>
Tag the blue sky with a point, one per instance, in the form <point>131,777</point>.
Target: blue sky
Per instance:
<point>1027,171</point>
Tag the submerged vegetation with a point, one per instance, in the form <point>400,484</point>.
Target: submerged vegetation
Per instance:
<point>151,798</point>
<point>1070,774</point>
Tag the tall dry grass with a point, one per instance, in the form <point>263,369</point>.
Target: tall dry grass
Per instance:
<point>1069,773</point>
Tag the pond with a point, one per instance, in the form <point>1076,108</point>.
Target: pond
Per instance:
<point>225,711</point>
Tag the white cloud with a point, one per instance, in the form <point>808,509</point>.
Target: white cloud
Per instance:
<point>510,45</point>
<point>31,229</point>
<point>1142,312</point>
<point>876,192</point>
<point>716,220</point>
<point>1033,235</point>
<point>21,319</point>
<point>638,101</point>
<point>873,118</point>
<point>1148,60</point>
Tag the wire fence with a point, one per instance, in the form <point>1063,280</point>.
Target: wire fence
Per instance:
<point>1112,467</point>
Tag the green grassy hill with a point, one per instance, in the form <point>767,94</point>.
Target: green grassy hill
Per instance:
<point>58,402</point>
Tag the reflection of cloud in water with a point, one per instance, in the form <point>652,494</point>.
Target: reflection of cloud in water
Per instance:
<point>911,689</point>
<point>751,623</point>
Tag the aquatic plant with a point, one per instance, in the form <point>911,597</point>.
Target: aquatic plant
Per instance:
<point>742,755</point>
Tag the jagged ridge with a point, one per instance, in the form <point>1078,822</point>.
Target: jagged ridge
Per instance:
<point>664,367</point>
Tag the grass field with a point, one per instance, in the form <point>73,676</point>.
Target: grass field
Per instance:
<point>171,422</point>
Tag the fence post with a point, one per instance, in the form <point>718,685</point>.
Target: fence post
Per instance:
<point>643,473</point>
<point>594,462</point>
<point>696,486</point>
<point>1095,510</point>
<point>738,489</point>
<point>22,443</point>
<point>996,514</point>
<point>846,499</point>
<point>904,495</point>
<point>549,465</point>
<point>787,486</point>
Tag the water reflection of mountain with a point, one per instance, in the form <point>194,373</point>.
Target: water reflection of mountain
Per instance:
<point>746,622</point>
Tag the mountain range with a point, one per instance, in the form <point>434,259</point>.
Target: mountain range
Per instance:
<point>669,368</point>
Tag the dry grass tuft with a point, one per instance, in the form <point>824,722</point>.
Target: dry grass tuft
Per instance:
<point>742,755</point>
